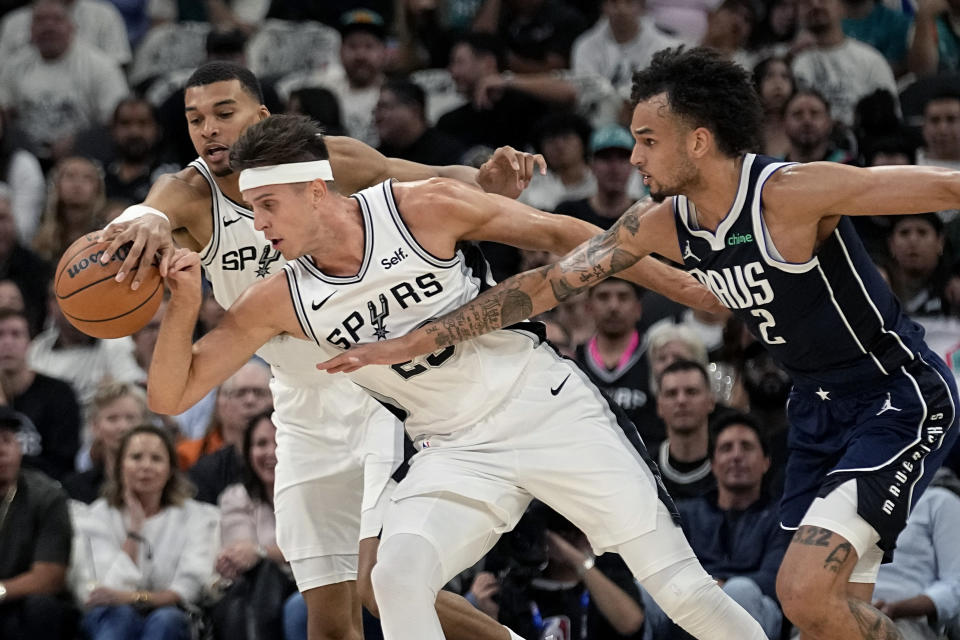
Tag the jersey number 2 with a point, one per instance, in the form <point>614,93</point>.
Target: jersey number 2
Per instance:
<point>767,322</point>
<point>411,368</point>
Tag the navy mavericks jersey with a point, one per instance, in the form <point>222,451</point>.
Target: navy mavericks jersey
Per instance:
<point>831,321</point>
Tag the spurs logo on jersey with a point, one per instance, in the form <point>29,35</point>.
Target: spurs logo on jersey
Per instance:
<point>398,287</point>
<point>237,260</point>
<point>403,294</point>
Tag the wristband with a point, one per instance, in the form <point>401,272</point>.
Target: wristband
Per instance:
<point>137,211</point>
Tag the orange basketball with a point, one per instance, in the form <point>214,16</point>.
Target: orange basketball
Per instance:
<point>93,301</point>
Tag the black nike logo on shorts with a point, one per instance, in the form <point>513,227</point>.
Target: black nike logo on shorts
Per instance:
<point>227,223</point>
<point>557,389</point>
<point>317,305</point>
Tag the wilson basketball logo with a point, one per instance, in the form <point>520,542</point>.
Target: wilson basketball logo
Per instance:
<point>94,259</point>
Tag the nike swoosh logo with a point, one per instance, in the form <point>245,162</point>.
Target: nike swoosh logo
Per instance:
<point>317,305</point>
<point>227,223</point>
<point>556,390</point>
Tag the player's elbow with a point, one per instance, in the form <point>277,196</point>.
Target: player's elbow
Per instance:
<point>162,403</point>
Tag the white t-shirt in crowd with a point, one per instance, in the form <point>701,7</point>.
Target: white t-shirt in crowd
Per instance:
<point>98,23</point>
<point>56,98</point>
<point>595,51</point>
<point>844,74</point>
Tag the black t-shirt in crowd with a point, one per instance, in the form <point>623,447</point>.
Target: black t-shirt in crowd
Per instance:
<point>506,123</point>
<point>432,148</point>
<point>37,526</point>
<point>52,406</point>
<point>581,209</point>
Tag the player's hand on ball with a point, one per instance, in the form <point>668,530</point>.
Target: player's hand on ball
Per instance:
<point>386,352</point>
<point>150,235</point>
<point>183,274</point>
<point>508,171</point>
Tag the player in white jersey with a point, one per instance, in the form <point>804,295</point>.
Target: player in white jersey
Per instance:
<point>494,419</point>
<point>335,444</point>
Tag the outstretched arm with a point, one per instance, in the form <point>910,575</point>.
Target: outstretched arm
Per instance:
<point>524,295</point>
<point>181,372</point>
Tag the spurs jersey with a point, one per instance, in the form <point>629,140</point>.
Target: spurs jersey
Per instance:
<point>399,287</point>
<point>831,321</point>
<point>238,256</point>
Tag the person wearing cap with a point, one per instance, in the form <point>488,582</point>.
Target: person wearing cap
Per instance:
<point>400,118</point>
<point>610,148</point>
<point>35,542</point>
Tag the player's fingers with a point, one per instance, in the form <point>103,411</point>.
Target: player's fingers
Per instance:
<point>540,161</point>
<point>166,253</point>
<point>118,240</point>
<point>528,163</point>
<point>131,261</point>
<point>149,256</point>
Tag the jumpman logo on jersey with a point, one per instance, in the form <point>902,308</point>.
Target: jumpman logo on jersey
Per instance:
<point>688,253</point>
<point>376,318</point>
<point>887,405</point>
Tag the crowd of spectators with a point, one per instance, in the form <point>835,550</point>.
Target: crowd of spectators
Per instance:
<point>91,114</point>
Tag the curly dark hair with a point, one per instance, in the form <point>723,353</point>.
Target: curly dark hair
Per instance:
<point>278,140</point>
<point>708,91</point>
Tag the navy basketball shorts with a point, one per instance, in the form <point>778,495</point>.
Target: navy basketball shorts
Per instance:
<point>889,434</point>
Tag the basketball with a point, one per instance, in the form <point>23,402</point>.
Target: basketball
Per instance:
<point>93,301</point>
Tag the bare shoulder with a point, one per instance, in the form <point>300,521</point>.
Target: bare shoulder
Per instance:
<point>183,196</point>
<point>431,193</point>
<point>807,185</point>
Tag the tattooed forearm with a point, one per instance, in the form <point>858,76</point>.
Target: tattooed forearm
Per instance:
<point>873,624</point>
<point>505,304</point>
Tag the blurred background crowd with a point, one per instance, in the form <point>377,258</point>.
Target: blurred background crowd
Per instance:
<point>91,113</point>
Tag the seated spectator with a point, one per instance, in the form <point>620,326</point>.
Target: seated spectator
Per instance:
<point>777,32</point>
<point>491,122</point>
<point>401,121</point>
<point>22,178</point>
<point>137,164</point>
<point>920,589</point>
<point>249,546</point>
<point>63,351</point>
<point>321,105</point>
<point>686,19</point>
<point>76,196</point>
<point>669,341</point>
<point>935,47</point>
<point>563,139</point>
<point>729,27</point>
<point>97,23</point>
<point>356,81</point>
<point>150,548</point>
<point>619,43</point>
<point>774,82</point>
<point>242,396</point>
<point>58,85</point>
<point>542,577</point>
<point>808,126</point>
<point>35,540</point>
<point>23,267</point>
<point>918,272</point>
<point>48,402</point>
<point>883,28</point>
<point>941,132</point>
<point>841,68</point>
<point>117,408</point>
<point>11,297</point>
<point>684,403</point>
<point>610,149</point>
<point>735,530</point>
<point>615,357</point>
<point>538,33</point>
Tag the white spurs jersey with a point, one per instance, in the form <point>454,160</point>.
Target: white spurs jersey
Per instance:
<point>239,256</point>
<point>399,287</point>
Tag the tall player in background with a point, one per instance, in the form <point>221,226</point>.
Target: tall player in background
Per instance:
<point>497,420</point>
<point>873,409</point>
<point>334,443</point>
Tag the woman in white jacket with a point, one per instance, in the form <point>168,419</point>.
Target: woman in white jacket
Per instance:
<point>146,547</point>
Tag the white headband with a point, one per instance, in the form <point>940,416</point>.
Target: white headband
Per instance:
<point>285,174</point>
